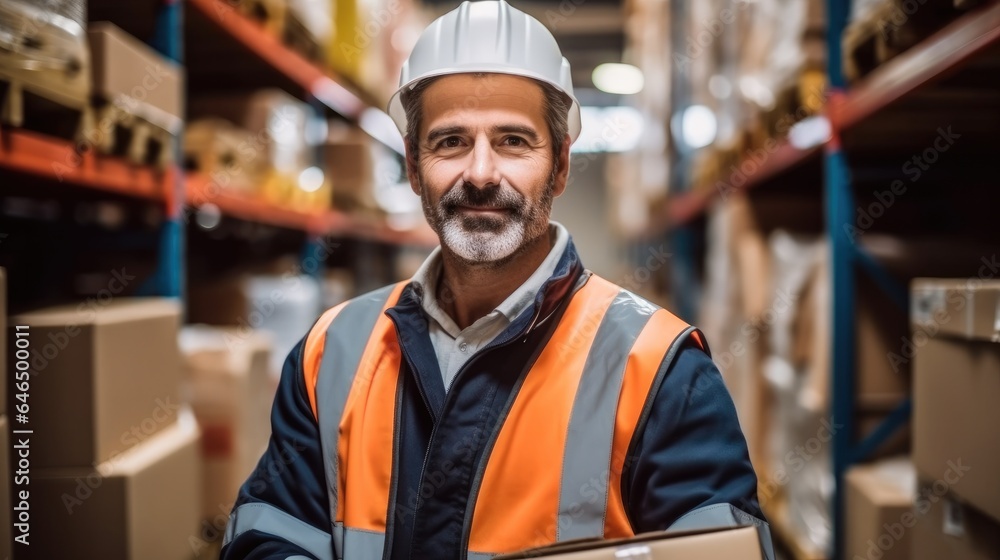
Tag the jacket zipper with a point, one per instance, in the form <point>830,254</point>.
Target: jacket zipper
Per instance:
<point>466,531</point>
<point>480,469</point>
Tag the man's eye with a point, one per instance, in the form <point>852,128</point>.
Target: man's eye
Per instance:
<point>514,141</point>
<point>451,142</point>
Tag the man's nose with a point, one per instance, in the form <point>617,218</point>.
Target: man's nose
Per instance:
<point>482,171</point>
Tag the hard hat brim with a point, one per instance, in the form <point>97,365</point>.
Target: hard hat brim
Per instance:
<point>398,114</point>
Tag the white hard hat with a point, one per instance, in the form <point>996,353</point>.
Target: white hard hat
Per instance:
<point>487,36</point>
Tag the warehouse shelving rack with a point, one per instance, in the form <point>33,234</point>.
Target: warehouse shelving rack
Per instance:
<point>937,58</point>
<point>37,155</point>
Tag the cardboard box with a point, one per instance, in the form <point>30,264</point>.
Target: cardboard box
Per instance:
<point>105,377</point>
<point>131,75</point>
<point>230,388</point>
<point>879,501</point>
<point>956,355</point>
<point>142,504</point>
<point>948,529</point>
<point>955,415</point>
<point>349,157</point>
<point>956,307</point>
<point>223,152</point>
<point>740,543</point>
<point>277,121</point>
<point>283,305</point>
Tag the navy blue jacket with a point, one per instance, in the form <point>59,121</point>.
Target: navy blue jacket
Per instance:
<point>689,453</point>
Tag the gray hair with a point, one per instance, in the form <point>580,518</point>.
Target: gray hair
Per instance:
<point>556,105</point>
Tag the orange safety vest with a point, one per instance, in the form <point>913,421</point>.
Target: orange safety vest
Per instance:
<point>554,472</point>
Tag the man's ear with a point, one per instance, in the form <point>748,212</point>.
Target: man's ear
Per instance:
<point>562,173</point>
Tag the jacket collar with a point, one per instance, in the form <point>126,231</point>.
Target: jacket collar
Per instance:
<point>568,272</point>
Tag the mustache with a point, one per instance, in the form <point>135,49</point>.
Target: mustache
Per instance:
<point>496,197</point>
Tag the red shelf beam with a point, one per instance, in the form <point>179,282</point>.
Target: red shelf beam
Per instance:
<point>57,160</point>
<point>939,54</point>
<point>943,52</point>
<point>201,190</point>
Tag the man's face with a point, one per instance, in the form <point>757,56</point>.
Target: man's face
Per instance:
<point>486,173</point>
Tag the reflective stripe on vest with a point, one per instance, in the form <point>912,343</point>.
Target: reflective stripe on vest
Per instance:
<point>258,516</point>
<point>349,348</point>
<point>593,377</point>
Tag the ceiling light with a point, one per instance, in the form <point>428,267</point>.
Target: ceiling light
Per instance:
<point>311,179</point>
<point>698,126</point>
<point>623,79</point>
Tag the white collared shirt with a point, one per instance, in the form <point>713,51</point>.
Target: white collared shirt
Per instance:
<point>455,346</point>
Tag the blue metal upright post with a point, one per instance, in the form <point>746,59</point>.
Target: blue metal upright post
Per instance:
<point>168,38</point>
<point>839,202</point>
<point>839,211</point>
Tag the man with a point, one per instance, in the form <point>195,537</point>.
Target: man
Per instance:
<point>504,397</point>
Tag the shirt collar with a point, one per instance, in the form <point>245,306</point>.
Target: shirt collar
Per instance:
<point>426,278</point>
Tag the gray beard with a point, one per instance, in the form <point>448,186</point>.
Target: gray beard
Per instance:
<point>487,240</point>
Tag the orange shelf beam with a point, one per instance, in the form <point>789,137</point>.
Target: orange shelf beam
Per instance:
<point>200,190</point>
<point>56,159</point>
<point>276,54</point>
<point>685,207</point>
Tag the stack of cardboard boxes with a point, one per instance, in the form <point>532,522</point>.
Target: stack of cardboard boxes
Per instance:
<point>944,500</point>
<point>114,469</point>
<point>956,353</point>
<point>230,390</point>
